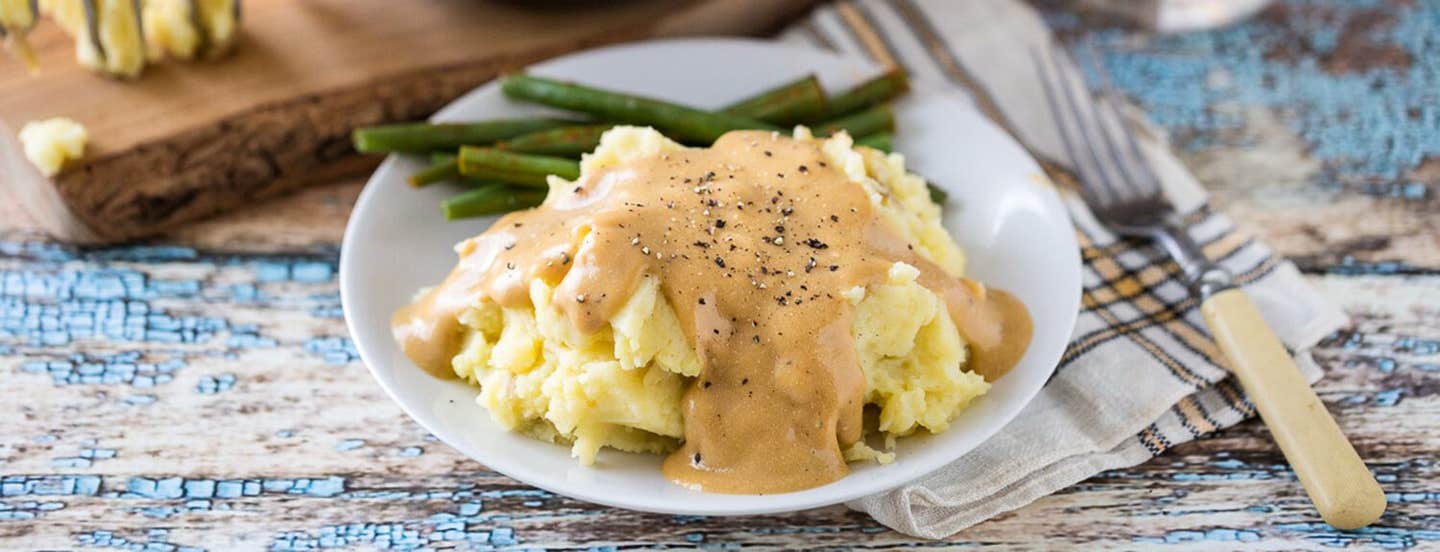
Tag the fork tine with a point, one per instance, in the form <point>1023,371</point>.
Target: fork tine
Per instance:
<point>1096,133</point>
<point>1094,193</point>
<point>1136,168</point>
<point>1108,123</point>
<point>1090,130</point>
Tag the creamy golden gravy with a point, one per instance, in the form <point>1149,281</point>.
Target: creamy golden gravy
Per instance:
<point>753,240</point>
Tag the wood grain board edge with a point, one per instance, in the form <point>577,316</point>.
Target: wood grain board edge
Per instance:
<point>260,152</point>
<point>34,194</point>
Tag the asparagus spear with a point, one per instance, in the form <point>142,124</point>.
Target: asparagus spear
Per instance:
<point>883,141</point>
<point>559,142</point>
<point>514,168</point>
<point>877,90</point>
<point>682,122</point>
<point>490,199</point>
<point>793,102</point>
<point>864,123</point>
<point>426,137</point>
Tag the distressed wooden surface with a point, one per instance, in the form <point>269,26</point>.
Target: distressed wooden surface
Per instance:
<point>200,391</point>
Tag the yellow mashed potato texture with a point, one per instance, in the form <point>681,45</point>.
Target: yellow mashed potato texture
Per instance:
<point>52,143</point>
<point>621,387</point>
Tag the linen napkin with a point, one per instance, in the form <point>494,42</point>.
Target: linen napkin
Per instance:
<point>1141,373</point>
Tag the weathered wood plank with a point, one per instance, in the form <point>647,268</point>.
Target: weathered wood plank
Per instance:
<point>301,408</point>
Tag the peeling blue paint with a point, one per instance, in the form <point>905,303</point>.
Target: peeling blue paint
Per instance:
<point>335,350</point>
<point>51,303</point>
<point>154,540</point>
<point>112,369</point>
<point>327,305</point>
<point>1373,123</point>
<point>1412,497</point>
<point>146,254</point>
<point>1232,476</point>
<point>140,400</point>
<point>49,485</point>
<point>1350,266</point>
<point>210,385</point>
<point>98,453</point>
<point>349,444</point>
<point>57,308</point>
<point>1209,535</point>
<point>177,487</point>
<point>27,509</point>
<point>1384,537</point>
<point>312,272</point>
<point>303,271</point>
<point>1388,398</point>
<point>465,529</point>
<point>245,293</point>
<point>249,338</point>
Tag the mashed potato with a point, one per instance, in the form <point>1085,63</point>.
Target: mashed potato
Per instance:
<point>52,143</point>
<point>621,387</point>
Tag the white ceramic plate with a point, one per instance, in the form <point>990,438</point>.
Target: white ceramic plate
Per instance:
<point>1013,227</point>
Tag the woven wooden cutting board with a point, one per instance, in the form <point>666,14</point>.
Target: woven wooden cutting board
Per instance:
<point>186,141</point>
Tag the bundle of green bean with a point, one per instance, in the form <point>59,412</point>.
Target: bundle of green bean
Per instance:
<point>505,162</point>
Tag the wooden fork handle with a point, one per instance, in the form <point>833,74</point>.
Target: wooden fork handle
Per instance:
<point>1337,480</point>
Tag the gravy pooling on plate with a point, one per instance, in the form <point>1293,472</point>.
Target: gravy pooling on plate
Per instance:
<point>753,240</point>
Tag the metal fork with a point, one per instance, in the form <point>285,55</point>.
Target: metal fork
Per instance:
<point>1123,192</point>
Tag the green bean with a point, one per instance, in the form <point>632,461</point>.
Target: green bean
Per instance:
<point>937,195</point>
<point>514,168</point>
<point>883,141</point>
<point>793,102</point>
<point>789,103</point>
<point>490,199</point>
<point>874,120</point>
<point>681,122</point>
<point>427,137</point>
<point>437,172</point>
<point>559,142</point>
<point>880,89</point>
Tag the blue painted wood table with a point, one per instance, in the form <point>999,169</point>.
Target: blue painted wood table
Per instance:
<point>199,391</point>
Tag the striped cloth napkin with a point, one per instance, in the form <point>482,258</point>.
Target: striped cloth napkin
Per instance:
<point>1141,373</point>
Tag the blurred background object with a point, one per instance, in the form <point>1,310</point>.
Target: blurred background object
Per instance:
<point>190,29</point>
<point>108,35</point>
<point>1169,16</point>
<point>17,17</point>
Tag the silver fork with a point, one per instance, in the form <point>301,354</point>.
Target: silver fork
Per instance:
<point>1123,192</point>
